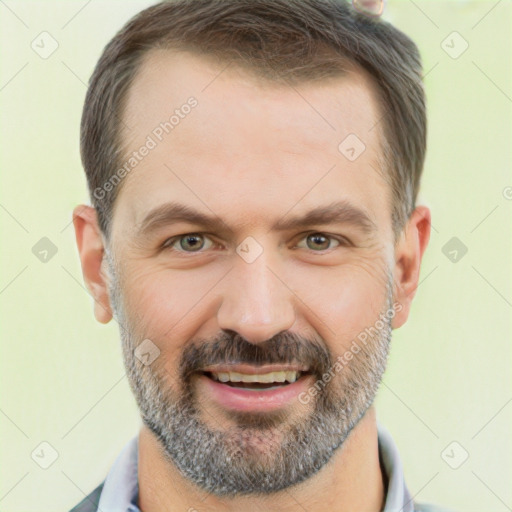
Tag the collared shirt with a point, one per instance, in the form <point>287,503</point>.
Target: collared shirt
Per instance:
<point>121,488</point>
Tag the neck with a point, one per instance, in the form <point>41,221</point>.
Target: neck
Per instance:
<point>352,480</point>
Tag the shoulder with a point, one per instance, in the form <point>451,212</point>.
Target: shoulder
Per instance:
<point>428,507</point>
<point>90,502</point>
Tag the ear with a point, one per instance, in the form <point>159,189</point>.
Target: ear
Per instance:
<point>91,250</point>
<point>408,254</point>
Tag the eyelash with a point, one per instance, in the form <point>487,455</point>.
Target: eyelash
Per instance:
<point>167,245</point>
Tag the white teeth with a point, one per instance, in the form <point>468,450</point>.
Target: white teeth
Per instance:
<point>290,376</point>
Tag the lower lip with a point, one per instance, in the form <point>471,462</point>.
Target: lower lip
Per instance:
<point>244,399</point>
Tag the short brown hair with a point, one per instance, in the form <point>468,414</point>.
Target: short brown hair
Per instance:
<point>279,40</point>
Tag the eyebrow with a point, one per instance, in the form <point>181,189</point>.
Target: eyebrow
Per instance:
<point>339,212</point>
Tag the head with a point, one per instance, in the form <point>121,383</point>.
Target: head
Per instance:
<point>284,141</point>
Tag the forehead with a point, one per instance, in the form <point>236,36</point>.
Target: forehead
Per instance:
<point>247,145</point>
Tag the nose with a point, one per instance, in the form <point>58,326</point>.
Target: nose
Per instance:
<point>256,303</point>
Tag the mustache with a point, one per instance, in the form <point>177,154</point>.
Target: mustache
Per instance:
<point>231,348</point>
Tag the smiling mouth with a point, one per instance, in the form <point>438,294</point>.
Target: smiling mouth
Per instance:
<point>269,380</point>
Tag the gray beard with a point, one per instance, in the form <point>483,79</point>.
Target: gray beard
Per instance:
<point>259,454</point>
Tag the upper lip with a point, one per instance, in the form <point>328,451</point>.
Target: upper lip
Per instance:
<point>255,370</point>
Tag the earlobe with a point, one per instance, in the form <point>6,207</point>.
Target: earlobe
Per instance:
<point>91,250</point>
<point>408,255</point>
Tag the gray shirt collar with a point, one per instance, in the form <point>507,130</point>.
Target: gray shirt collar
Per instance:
<point>121,487</point>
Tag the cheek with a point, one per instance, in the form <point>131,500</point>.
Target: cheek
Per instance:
<point>344,300</point>
<point>165,304</point>
<point>159,306</point>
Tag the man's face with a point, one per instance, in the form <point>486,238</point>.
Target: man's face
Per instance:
<point>257,291</point>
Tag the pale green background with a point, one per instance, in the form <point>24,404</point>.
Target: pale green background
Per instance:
<point>62,378</point>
